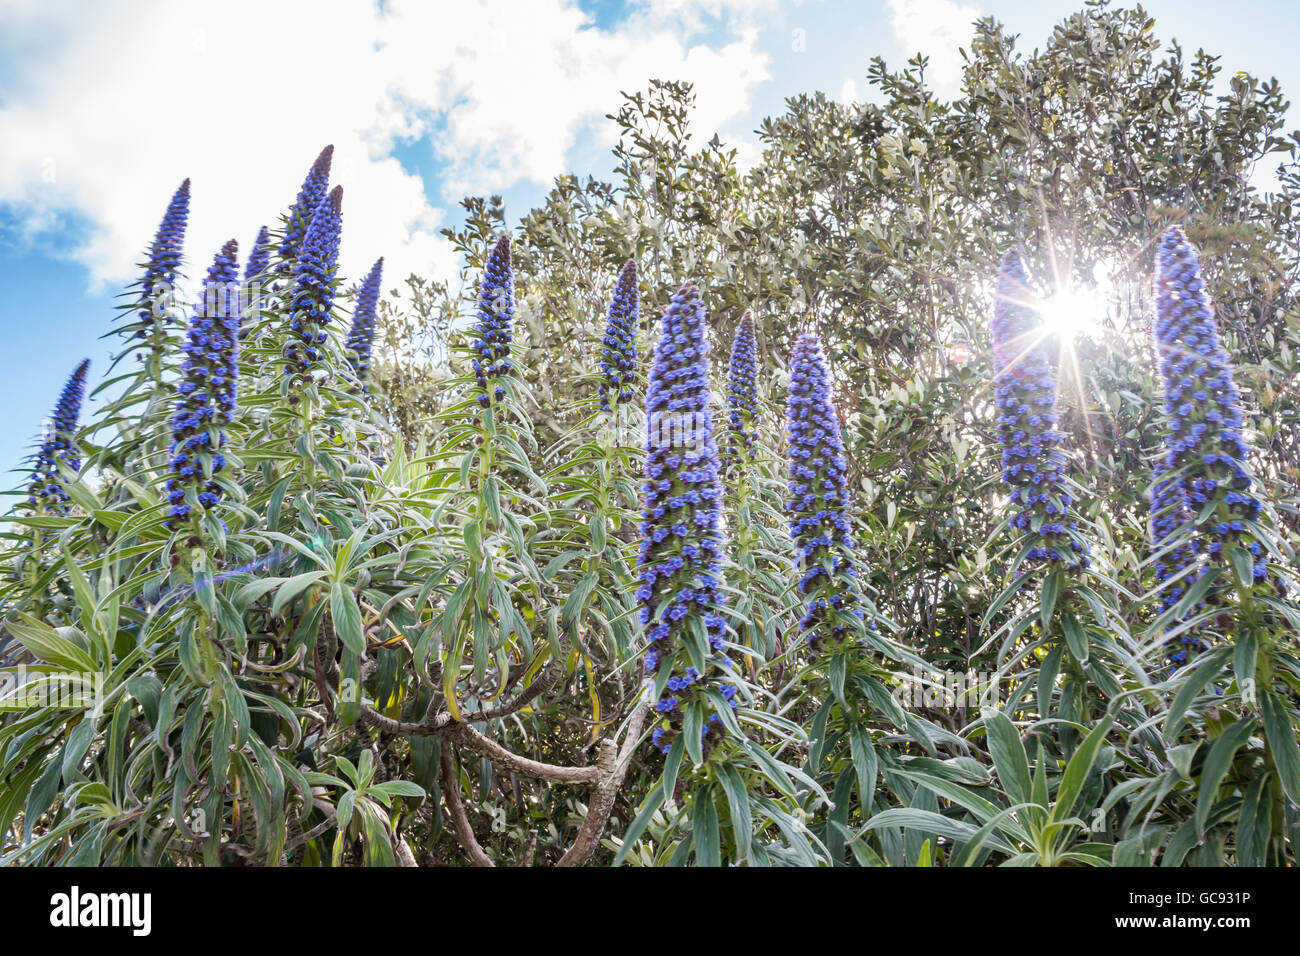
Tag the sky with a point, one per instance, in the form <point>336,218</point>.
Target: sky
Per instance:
<point>106,107</point>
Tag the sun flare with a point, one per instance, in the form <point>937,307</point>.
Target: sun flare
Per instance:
<point>1073,312</point>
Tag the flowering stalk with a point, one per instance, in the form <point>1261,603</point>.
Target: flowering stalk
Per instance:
<point>260,256</point>
<point>259,260</point>
<point>742,398</point>
<point>312,296</point>
<point>361,337</point>
<point>1202,474</point>
<point>46,493</point>
<point>1169,512</point>
<point>1033,462</point>
<point>680,566</point>
<point>493,332</point>
<point>207,393</point>
<point>819,501</point>
<point>314,187</point>
<point>618,349</point>
<point>162,268</point>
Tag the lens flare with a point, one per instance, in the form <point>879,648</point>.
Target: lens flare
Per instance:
<point>1075,310</point>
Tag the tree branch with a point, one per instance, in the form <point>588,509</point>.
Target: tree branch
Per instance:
<point>601,804</point>
<point>469,737</point>
<point>464,832</point>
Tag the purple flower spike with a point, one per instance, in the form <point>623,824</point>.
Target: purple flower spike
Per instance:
<point>260,257</point>
<point>46,492</point>
<point>310,196</point>
<point>1202,476</point>
<point>206,393</point>
<point>361,337</point>
<point>1024,390</point>
<point>680,562</point>
<point>494,331</point>
<point>818,502</point>
<point>163,265</point>
<point>618,349</point>
<point>742,395</point>
<point>315,278</point>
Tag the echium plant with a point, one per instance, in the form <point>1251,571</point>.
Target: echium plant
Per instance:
<point>162,268</point>
<point>680,562</point>
<point>312,295</point>
<point>839,625</point>
<point>818,503</point>
<point>206,393</point>
<point>742,397</point>
<point>1172,552</point>
<point>1202,476</point>
<point>310,195</point>
<point>259,257</point>
<point>1024,389</point>
<point>46,493</point>
<point>259,260</point>
<point>361,337</point>
<point>494,330</point>
<point>1168,514</point>
<point>618,348</point>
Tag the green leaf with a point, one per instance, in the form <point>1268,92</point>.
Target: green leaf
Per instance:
<point>1254,824</point>
<point>708,851</point>
<point>291,588</point>
<point>1075,637</point>
<point>742,823</point>
<point>1193,682</point>
<point>1281,735</point>
<point>1047,603</point>
<point>347,618</point>
<point>864,762</point>
<point>653,801</point>
<point>692,730</point>
<point>1216,767</point>
<point>1077,770</point>
<point>49,645</point>
<point>400,788</point>
<point>837,669</point>
<point>1244,653</point>
<point>925,821</point>
<point>1243,565</point>
<point>1009,758</point>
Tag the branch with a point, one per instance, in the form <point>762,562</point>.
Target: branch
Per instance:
<point>471,738</point>
<point>464,832</point>
<point>329,821</point>
<point>444,726</point>
<point>439,724</point>
<point>601,804</point>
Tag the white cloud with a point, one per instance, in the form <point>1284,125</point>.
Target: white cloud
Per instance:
<point>936,28</point>
<point>109,107</point>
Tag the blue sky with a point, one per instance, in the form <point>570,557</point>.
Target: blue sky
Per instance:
<point>105,108</point>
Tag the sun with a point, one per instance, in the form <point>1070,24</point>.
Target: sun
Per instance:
<point>1073,312</point>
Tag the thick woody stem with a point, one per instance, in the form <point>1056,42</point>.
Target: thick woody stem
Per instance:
<point>469,737</point>
<point>440,723</point>
<point>613,766</point>
<point>464,832</point>
<point>405,857</point>
<point>606,775</point>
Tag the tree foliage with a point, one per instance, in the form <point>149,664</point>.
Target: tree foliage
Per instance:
<point>409,631</point>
